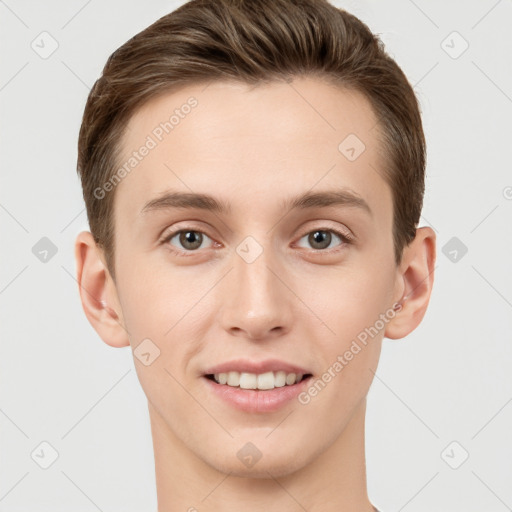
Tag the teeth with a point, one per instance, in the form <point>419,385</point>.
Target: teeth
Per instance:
<point>248,381</point>
<point>269,380</point>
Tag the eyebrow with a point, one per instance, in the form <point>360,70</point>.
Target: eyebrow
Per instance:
<point>308,200</point>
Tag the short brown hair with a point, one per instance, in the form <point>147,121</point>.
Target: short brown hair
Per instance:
<point>253,42</point>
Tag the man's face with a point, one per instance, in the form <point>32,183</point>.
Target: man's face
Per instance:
<point>259,280</point>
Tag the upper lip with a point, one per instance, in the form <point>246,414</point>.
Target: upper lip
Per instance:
<point>247,366</point>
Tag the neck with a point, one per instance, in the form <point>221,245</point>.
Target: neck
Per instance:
<point>335,480</point>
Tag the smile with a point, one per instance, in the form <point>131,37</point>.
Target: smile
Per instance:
<point>254,399</point>
<point>262,381</point>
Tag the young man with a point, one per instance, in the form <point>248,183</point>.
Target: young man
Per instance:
<point>253,172</point>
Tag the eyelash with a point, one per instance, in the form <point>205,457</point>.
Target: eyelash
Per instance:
<point>344,237</point>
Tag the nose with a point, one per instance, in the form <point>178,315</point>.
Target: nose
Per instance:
<point>258,303</point>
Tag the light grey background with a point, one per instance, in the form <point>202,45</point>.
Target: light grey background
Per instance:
<point>450,380</point>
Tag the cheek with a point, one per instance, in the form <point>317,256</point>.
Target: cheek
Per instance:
<point>155,298</point>
<point>350,306</point>
<point>351,301</point>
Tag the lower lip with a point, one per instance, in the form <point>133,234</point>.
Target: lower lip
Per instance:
<point>257,400</point>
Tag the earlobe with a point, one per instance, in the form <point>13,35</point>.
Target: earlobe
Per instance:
<point>98,292</point>
<point>415,281</point>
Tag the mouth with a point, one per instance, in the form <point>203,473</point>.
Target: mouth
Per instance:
<point>256,386</point>
<point>258,382</point>
<point>256,393</point>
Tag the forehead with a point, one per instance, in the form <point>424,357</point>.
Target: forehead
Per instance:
<point>250,145</point>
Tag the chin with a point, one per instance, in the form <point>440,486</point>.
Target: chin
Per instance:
<point>266,467</point>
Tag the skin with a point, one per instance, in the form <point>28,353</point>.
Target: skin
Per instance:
<point>298,301</point>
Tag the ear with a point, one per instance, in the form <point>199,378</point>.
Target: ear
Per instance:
<point>98,292</point>
<point>414,283</point>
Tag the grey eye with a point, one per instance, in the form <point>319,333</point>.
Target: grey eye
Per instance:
<point>321,238</point>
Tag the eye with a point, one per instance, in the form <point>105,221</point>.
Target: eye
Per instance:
<point>321,239</point>
<point>189,239</point>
